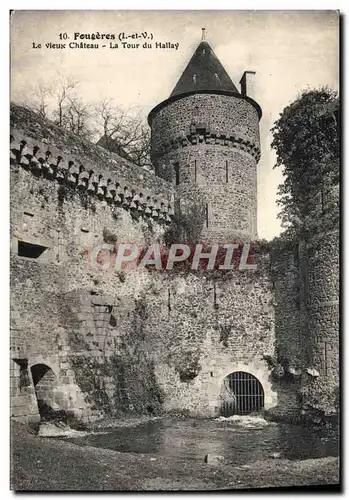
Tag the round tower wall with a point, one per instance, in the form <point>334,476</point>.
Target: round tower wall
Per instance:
<point>208,146</point>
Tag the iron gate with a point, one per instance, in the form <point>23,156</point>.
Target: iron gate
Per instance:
<point>245,394</point>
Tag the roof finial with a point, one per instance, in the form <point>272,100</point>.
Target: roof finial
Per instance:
<point>203,33</point>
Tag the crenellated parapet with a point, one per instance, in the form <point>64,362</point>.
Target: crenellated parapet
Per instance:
<point>204,134</point>
<point>47,161</point>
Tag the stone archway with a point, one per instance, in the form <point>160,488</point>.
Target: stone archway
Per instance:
<point>241,394</point>
<point>45,384</point>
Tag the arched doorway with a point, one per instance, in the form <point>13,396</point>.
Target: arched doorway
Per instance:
<point>242,394</point>
<point>44,384</point>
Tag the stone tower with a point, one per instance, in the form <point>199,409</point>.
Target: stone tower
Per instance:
<point>320,259</point>
<point>205,140</point>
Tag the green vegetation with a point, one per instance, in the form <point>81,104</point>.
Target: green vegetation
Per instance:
<point>306,142</point>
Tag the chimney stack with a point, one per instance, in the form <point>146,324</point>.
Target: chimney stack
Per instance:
<point>247,83</point>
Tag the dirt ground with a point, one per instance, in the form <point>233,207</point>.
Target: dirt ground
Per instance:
<point>44,464</point>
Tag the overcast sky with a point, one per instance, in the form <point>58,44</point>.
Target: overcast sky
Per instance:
<point>289,50</point>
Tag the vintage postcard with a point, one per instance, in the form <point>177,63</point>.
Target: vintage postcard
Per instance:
<point>174,260</point>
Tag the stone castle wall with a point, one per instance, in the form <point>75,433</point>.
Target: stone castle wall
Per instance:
<point>203,327</point>
<point>320,260</point>
<point>306,290</point>
<point>323,305</point>
<point>290,342</point>
<point>62,205</point>
<point>98,342</point>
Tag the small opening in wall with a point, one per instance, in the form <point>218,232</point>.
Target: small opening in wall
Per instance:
<point>24,380</point>
<point>29,213</point>
<point>211,373</point>
<point>217,79</point>
<point>169,300</point>
<point>30,250</point>
<point>112,321</point>
<point>207,214</point>
<point>243,394</point>
<point>176,168</point>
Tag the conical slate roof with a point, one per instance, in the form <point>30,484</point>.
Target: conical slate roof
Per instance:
<point>204,72</point>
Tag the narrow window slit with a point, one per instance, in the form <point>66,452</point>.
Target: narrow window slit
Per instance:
<point>176,167</point>
<point>169,301</point>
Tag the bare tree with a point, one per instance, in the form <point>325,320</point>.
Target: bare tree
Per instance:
<point>121,131</point>
<point>63,93</point>
<point>77,117</point>
<point>38,99</point>
<point>124,132</point>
